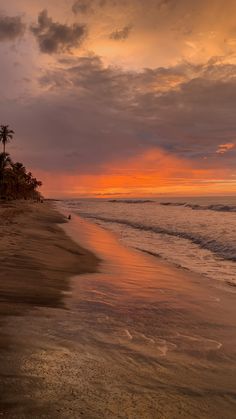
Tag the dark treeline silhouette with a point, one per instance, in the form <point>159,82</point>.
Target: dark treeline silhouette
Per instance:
<point>15,181</point>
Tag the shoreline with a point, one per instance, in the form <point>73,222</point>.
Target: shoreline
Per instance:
<point>136,338</point>
<point>199,241</point>
<point>224,285</point>
<point>37,262</point>
<point>36,256</point>
<point>162,336</point>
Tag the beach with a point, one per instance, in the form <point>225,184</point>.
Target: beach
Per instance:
<point>118,209</point>
<point>37,261</point>
<point>107,332</point>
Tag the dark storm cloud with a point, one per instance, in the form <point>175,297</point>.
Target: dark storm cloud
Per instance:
<point>11,28</point>
<point>122,34</point>
<point>54,37</point>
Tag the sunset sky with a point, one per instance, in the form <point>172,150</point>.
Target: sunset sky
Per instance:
<point>121,97</point>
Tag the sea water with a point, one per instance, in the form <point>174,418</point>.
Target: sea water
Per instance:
<point>198,234</point>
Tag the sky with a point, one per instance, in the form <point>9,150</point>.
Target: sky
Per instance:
<point>121,97</point>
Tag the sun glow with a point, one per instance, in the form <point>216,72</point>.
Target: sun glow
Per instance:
<point>151,173</point>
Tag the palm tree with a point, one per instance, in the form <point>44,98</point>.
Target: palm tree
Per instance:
<point>6,135</point>
<point>15,181</point>
<point>19,173</point>
<point>5,163</point>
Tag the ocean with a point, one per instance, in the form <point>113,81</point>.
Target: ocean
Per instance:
<point>198,234</point>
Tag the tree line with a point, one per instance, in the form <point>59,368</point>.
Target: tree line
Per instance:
<point>15,181</point>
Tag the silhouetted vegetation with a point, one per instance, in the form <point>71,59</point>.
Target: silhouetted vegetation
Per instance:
<point>15,181</point>
<point>6,135</point>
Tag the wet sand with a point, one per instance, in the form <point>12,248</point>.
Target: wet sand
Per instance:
<point>37,260</point>
<point>138,339</point>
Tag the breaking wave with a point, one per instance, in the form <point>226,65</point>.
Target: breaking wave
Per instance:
<point>223,250</point>
<point>212,207</point>
<point>130,201</point>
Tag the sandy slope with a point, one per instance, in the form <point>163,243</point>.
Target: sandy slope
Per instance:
<point>36,262</point>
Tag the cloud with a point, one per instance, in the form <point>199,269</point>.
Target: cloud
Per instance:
<point>151,171</point>
<point>82,6</point>
<point>54,37</point>
<point>224,148</point>
<point>11,28</point>
<point>94,115</point>
<point>89,6</point>
<point>122,34</point>
<point>178,109</point>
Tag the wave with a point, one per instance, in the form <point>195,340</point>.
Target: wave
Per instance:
<point>212,207</point>
<point>220,249</point>
<point>130,201</point>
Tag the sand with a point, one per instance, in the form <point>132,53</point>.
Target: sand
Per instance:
<point>37,260</point>
<point>135,339</point>
<point>36,257</point>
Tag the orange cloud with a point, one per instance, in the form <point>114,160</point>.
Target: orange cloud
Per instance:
<point>223,148</point>
<point>151,173</point>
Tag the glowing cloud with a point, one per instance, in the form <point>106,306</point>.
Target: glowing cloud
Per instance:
<point>224,148</point>
<point>103,110</point>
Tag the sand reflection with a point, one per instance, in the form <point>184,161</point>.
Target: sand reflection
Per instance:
<point>163,331</point>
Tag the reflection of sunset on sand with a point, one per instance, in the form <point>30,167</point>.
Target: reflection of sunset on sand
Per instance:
<point>139,339</point>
